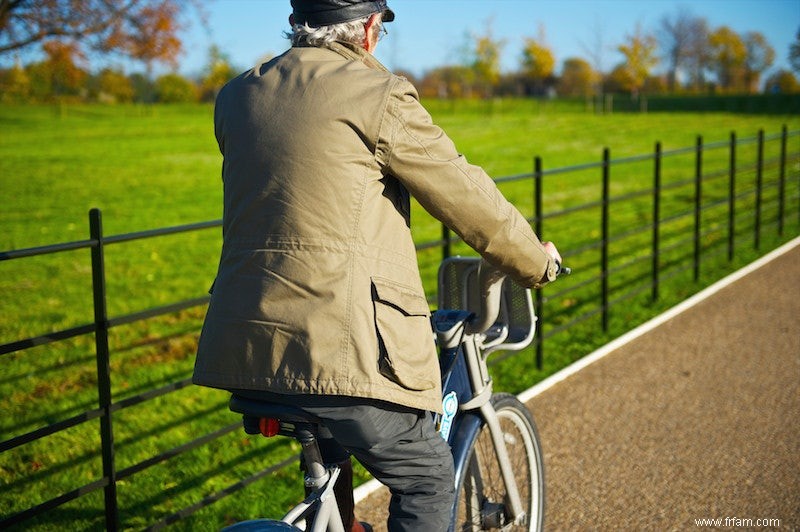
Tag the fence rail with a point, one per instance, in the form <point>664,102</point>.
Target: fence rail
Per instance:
<point>649,230</point>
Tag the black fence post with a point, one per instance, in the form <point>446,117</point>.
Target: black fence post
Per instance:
<point>103,368</point>
<point>605,237</point>
<point>782,180</point>
<point>759,186</point>
<point>732,197</point>
<point>656,217</point>
<point>537,227</point>
<point>698,200</point>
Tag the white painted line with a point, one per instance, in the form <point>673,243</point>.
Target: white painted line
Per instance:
<point>648,326</point>
<point>364,490</point>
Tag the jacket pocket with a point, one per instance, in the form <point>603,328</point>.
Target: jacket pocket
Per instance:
<point>402,320</point>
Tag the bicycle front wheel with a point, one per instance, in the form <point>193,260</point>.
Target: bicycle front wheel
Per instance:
<point>261,525</point>
<point>482,502</point>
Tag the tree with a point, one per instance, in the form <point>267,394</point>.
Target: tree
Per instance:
<point>760,56</point>
<point>448,82</point>
<point>217,73</point>
<point>486,59</point>
<point>640,58</point>
<point>143,87</point>
<point>677,39</point>
<point>699,54</point>
<point>618,80</point>
<point>729,56</point>
<point>145,30</point>
<point>153,36</point>
<point>113,86</point>
<point>15,84</point>
<point>595,52</point>
<point>173,88</point>
<point>794,53</point>
<point>61,73</point>
<point>656,85</point>
<point>538,62</point>
<point>783,82</point>
<point>577,78</point>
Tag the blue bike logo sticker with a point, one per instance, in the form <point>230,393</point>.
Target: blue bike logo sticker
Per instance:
<point>450,407</point>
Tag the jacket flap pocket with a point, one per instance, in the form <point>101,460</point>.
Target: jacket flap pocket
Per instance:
<point>407,354</point>
<point>404,298</point>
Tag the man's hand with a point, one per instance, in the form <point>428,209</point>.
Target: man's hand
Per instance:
<point>550,248</point>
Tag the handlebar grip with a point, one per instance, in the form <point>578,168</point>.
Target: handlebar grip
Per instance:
<point>561,269</point>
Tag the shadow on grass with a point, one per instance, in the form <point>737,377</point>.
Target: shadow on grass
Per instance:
<point>195,483</point>
<point>94,454</point>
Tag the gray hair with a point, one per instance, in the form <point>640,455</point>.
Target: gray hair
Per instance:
<point>350,32</point>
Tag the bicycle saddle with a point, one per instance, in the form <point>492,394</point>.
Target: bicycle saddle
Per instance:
<point>254,410</point>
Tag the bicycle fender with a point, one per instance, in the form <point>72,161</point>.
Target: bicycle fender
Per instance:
<point>466,429</point>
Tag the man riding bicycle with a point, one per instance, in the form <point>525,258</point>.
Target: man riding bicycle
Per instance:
<point>318,300</point>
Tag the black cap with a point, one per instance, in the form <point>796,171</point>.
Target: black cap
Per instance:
<point>318,13</point>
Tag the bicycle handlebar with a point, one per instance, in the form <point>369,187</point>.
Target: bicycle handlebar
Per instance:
<point>490,281</point>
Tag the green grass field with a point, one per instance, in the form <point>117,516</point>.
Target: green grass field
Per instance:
<point>158,166</point>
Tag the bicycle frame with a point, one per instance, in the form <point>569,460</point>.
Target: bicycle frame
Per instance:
<point>273,419</point>
<point>465,374</point>
<point>466,379</point>
<point>323,502</point>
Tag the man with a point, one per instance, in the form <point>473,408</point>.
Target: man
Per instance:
<point>318,300</point>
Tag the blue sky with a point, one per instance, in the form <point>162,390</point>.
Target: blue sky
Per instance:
<point>429,33</point>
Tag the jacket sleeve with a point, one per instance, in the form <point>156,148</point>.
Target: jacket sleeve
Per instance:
<point>461,195</point>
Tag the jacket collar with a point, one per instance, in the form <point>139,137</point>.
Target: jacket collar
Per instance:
<point>354,53</point>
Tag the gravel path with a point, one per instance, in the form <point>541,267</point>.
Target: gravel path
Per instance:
<point>697,419</point>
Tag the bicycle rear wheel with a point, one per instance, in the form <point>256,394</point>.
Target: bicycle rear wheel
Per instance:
<point>481,499</point>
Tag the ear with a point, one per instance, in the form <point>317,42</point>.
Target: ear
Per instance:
<point>369,41</point>
<point>291,19</point>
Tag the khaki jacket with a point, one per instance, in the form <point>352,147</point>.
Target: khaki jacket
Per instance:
<point>318,289</point>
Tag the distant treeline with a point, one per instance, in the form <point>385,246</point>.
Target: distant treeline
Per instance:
<point>782,104</point>
<point>684,58</point>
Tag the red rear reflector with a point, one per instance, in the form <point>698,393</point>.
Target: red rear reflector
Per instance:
<point>269,426</point>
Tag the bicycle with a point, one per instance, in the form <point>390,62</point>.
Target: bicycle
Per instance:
<point>495,445</point>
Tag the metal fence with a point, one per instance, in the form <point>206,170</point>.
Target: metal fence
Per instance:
<point>652,225</point>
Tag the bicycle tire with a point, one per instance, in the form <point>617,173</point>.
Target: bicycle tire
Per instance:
<point>481,499</point>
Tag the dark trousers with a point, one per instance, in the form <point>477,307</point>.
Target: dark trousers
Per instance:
<point>398,445</point>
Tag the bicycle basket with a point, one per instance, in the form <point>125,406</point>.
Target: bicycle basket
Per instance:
<point>459,290</point>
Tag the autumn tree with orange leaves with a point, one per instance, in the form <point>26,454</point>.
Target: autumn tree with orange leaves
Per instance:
<point>144,30</point>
